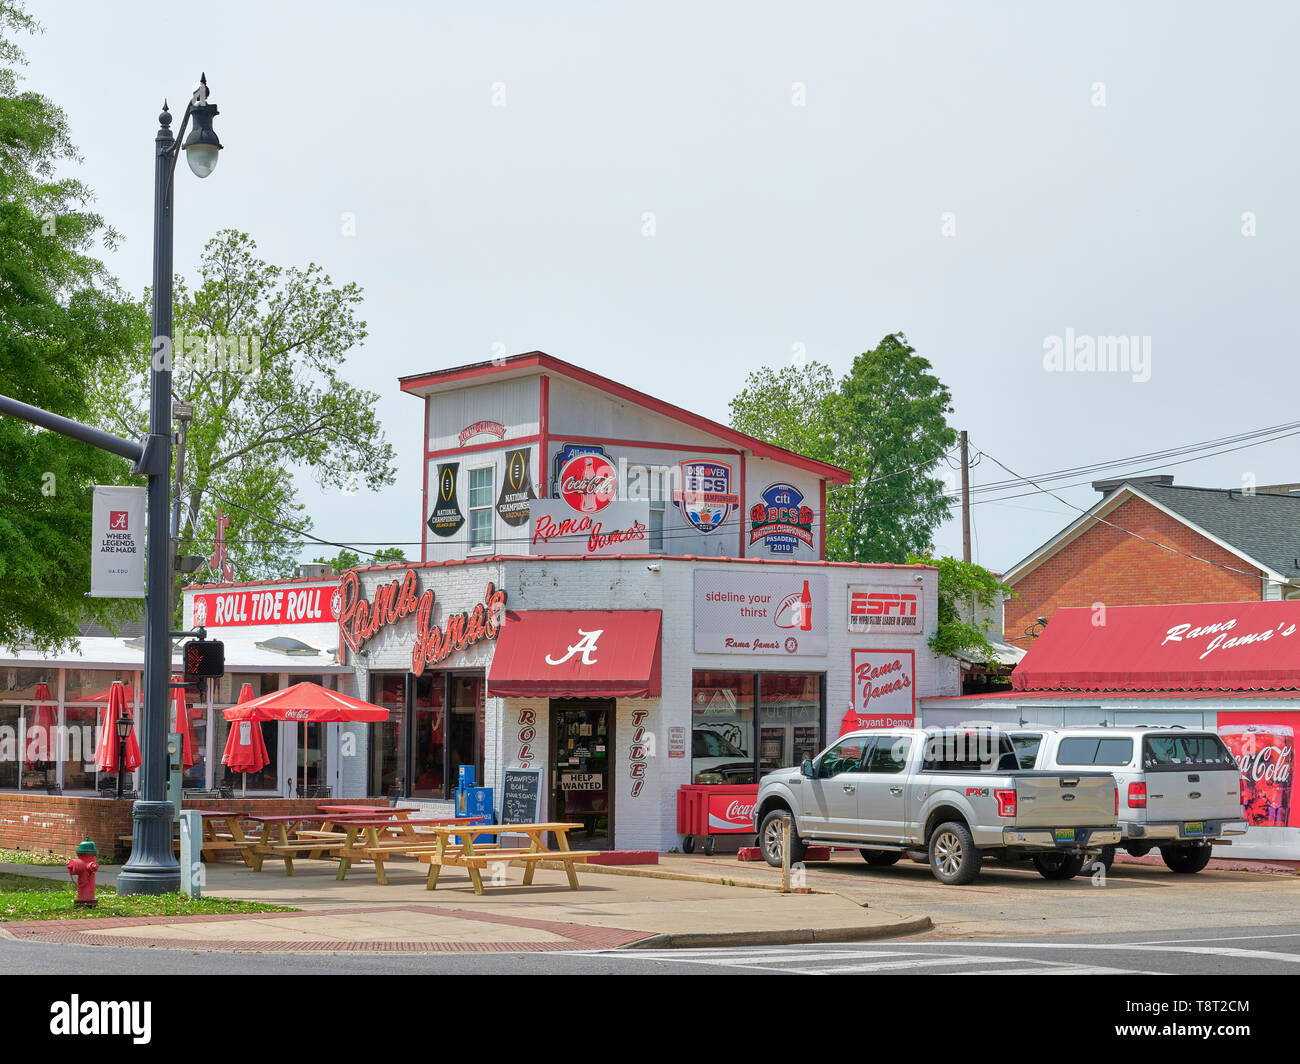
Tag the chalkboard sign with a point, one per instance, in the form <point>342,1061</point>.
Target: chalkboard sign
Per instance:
<point>521,795</point>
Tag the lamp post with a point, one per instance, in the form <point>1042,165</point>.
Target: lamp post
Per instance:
<point>152,867</point>
<point>124,724</point>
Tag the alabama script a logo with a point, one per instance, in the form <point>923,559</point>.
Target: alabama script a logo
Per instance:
<point>586,646</point>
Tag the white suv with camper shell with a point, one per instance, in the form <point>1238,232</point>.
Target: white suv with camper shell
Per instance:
<point>1179,788</point>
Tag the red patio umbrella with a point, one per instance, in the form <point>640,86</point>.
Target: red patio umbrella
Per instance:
<point>183,723</point>
<point>106,750</point>
<point>128,692</point>
<point>245,748</point>
<point>42,728</point>
<point>310,703</point>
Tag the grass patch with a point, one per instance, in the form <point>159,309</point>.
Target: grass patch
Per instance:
<point>32,898</point>
<point>32,857</point>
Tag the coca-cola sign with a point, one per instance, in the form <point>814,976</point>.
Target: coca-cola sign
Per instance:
<point>730,813</point>
<point>1264,752</point>
<point>588,483</point>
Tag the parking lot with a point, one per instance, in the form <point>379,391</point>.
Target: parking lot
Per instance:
<point>1017,901</point>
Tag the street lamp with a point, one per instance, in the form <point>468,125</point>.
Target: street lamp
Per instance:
<point>124,724</point>
<point>152,867</point>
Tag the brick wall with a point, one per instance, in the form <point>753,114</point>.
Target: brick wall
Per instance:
<point>1106,565</point>
<point>56,823</point>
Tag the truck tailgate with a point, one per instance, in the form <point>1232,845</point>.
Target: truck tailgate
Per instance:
<point>1062,799</point>
<point>1205,794</point>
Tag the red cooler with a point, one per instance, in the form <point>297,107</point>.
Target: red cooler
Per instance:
<point>706,811</point>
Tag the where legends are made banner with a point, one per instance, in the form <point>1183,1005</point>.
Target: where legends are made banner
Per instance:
<point>117,544</point>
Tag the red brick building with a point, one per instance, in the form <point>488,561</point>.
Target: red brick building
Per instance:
<point>1149,541</point>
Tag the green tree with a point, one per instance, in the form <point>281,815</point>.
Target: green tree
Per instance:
<point>346,559</point>
<point>969,596</point>
<point>259,350</point>
<point>886,421</point>
<point>63,321</point>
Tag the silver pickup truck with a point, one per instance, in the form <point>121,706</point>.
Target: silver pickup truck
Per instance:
<point>947,797</point>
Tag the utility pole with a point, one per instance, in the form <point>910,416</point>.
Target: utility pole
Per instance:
<point>965,500</point>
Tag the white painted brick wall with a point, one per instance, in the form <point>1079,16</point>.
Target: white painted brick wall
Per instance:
<point>649,819</point>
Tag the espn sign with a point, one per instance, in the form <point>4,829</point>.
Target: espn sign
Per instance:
<point>894,610</point>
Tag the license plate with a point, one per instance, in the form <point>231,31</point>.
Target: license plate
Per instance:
<point>1194,827</point>
<point>1065,834</point>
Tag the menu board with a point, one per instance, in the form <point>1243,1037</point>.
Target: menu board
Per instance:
<point>521,795</point>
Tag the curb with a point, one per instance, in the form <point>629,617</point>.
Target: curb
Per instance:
<point>793,937</point>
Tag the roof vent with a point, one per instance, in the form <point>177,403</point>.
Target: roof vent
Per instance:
<point>314,571</point>
<point>282,644</point>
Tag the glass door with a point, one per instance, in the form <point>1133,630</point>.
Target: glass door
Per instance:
<point>582,740</point>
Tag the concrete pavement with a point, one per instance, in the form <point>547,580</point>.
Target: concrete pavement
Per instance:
<point>608,911</point>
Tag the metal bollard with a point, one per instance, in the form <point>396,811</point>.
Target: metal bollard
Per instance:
<point>191,853</point>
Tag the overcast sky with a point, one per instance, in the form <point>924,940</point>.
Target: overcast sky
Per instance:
<point>982,177</point>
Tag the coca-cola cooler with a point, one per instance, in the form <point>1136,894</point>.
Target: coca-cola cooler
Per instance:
<point>704,811</point>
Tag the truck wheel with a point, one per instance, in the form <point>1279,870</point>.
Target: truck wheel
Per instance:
<point>1136,849</point>
<point>1058,865</point>
<point>709,846</point>
<point>688,844</point>
<point>881,858</point>
<point>1186,859</point>
<point>953,859</point>
<point>1106,857</point>
<point>769,835</point>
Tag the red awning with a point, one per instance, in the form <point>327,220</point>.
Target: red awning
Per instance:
<point>1223,646</point>
<point>577,654</point>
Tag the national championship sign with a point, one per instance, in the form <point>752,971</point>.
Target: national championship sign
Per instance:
<point>706,499</point>
<point>117,542</point>
<point>446,518</point>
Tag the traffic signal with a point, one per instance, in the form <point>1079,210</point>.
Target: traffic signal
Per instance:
<point>204,659</point>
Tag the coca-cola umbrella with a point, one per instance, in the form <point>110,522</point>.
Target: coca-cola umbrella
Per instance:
<point>183,723</point>
<point>41,729</point>
<point>310,703</point>
<point>245,748</point>
<point>106,750</point>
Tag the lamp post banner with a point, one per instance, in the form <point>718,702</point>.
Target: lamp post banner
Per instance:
<point>117,542</point>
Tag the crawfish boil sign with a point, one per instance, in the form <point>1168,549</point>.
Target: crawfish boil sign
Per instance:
<point>360,619</point>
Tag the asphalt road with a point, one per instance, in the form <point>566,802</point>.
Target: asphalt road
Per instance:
<point>1261,950</point>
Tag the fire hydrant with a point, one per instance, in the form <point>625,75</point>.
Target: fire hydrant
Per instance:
<point>83,868</point>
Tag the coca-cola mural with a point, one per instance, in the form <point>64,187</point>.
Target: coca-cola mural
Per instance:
<point>1264,746</point>
<point>729,813</point>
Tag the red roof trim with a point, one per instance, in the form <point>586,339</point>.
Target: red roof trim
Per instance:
<point>594,380</point>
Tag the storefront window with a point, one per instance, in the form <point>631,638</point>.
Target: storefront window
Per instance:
<point>85,700</point>
<point>789,719</point>
<point>28,746</point>
<point>428,736</point>
<point>388,689</point>
<point>722,727</point>
<point>227,691</point>
<point>466,725</point>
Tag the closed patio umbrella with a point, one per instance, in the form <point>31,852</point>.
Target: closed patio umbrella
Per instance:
<point>245,747</point>
<point>106,750</point>
<point>183,723</point>
<point>42,729</point>
<point>310,703</point>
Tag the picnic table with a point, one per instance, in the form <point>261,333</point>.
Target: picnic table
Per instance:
<point>352,846</point>
<point>233,838</point>
<point>446,853</point>
<point>368,810</point>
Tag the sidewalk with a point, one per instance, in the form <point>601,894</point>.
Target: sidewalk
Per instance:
<point>610,911</point>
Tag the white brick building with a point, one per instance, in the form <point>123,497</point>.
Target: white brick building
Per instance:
<point>629,656</point>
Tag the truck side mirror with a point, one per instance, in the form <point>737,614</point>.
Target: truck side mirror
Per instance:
<point>806,769</point>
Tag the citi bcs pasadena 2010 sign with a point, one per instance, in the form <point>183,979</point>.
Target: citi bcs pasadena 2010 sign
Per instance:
<point>360,620</point>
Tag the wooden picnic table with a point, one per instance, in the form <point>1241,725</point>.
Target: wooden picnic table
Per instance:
<point>215,842</point>
<point>353,847</point>
<point>368,810</point>
<point>465,855</point>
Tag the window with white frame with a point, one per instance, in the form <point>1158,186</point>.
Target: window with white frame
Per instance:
<point>480,508</point>
<point>649,483</point>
